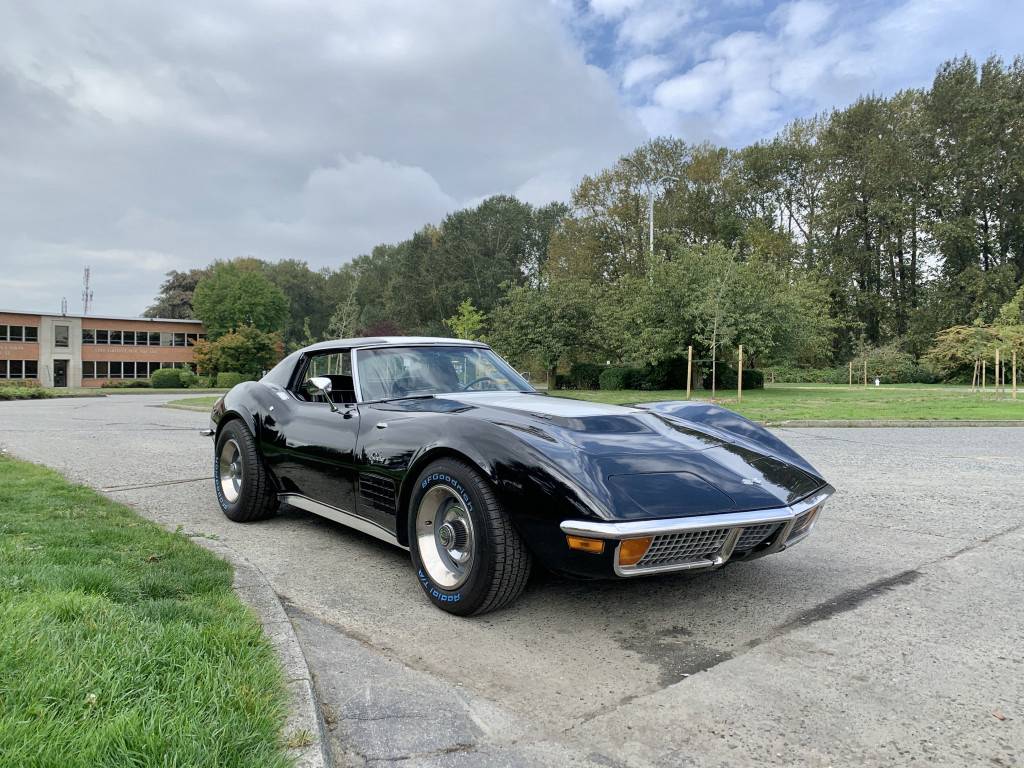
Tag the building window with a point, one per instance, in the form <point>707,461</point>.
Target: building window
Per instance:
<point>102,337</point>
<point>15,368</point>
<point>154,338</point>
<point>61,335</point>
<point>3,369</point>
<point>31,333</point>
<point>14,333</point>
<point>115,370</point>
<point>128,370</point>
<point>128,337</point>
<point>31,369</point>
<point>88,336</point>
<point>101,369</point>
<point>3,333</point>
<point>88,369</point>
<point>115,337</point>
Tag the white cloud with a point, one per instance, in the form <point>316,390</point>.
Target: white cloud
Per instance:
<point>808,56</point>
<point>802,19</point>
<point>643,68</point>
<point>311,130</point>
<point>613,8</point>
<point>699,90</point>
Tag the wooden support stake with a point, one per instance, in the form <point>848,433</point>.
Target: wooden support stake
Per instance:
<point>689,369</point>
<point>1013,373</point>
<point>739,379</point>
<point>997,370</point>
<point>851,373</point>
<point>984,368</point>
<point>865,371</point>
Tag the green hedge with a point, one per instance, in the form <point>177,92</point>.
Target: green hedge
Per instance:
<point>167,378</point>
<point>22,392</point>
<point>129,384</point>
<point>726,377</point>
<point>228,379</point>
<point>583,376</point>
<point>618,377</point>
<point>887,363</point>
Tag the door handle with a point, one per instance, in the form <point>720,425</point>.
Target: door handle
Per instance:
<point>382,425</point>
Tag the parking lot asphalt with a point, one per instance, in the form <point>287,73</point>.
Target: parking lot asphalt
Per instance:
<point>893,635</point>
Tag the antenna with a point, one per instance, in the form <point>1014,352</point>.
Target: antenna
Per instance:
<point>86,293</point>
<point>63,305</point>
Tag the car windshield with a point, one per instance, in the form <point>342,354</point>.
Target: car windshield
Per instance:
<point>416,371</point>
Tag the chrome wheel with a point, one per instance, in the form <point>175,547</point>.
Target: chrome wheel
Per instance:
<point>229,470</point>
<point>444,536</point>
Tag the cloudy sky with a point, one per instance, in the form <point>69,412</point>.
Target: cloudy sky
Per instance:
<point>142,137</point>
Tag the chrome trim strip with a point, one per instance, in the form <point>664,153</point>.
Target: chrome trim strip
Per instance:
<point>340,516</point>
<point>354,362</point>
<point>734,520</point>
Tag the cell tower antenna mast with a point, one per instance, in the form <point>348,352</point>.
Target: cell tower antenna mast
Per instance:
<point>86,293</point>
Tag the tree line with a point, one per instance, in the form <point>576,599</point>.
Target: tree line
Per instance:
<point>880,225</point>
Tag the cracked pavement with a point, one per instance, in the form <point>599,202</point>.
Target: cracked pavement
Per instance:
<point>893,635</point>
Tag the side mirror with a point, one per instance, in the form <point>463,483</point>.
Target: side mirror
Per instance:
<point>321,385</point>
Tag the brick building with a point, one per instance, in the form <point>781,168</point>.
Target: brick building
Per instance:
<point>86,351</point>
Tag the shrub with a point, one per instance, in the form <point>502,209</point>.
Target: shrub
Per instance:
<point>167,378</point>
<point>669,373</point>
<point>228,379</point>
<point>129,384</point>
<point>20,392</point>
<point>726,377</point>
<point>201,382</point>
<point>584,376</point>
<point>618,377</point>
<point>188,378</point>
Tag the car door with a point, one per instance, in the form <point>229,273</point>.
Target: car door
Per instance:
<point>316,452</point>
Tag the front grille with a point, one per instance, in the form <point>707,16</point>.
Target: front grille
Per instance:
<point>754,535</point>
<point>679,548</point>
<point>377,492</point>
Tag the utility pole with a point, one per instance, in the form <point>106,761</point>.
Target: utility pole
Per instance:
<point>650,201</point>
<point>86,293</point>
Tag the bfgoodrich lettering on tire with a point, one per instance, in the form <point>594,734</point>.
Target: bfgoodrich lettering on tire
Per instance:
<point>468,557</point>
<point>244,489</point>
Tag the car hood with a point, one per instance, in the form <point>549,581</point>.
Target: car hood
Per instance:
<point>659,460</point>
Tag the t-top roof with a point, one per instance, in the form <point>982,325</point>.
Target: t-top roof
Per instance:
<point>392,341</point>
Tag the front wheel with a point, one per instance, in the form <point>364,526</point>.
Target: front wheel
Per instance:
<point>468,557</point>
<point>244,489</point>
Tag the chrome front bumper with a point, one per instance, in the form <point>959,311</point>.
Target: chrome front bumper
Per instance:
<point>707,541</point>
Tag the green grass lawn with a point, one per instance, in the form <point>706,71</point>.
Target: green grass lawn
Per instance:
<point>19,392</point>
<point>121,643</point>
<point>194,403</point>
<point>834,402</point>
<point>783,402</point>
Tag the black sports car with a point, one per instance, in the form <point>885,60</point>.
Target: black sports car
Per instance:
<point>440,447</point>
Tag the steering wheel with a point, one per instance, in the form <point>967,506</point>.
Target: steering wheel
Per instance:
<point>474,382</point>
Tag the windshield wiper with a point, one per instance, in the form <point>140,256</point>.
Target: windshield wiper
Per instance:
<point>406,397</point>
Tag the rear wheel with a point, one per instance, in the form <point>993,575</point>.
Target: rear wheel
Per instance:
<point>244,489</point>
<point>468,557</point>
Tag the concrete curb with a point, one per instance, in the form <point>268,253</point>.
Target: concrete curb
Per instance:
<point>305,718</point>
<point>857,423</point>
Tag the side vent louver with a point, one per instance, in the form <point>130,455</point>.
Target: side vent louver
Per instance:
<point>377,492</point>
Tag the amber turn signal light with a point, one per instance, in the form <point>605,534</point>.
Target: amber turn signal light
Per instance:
<point>632,550</point>
<point>593,546</point>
